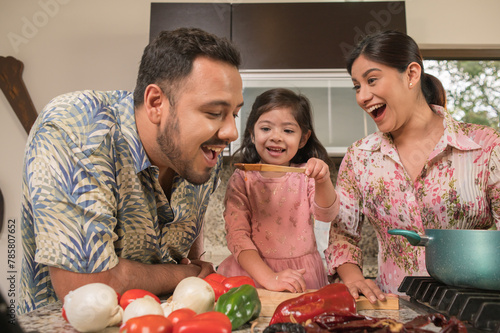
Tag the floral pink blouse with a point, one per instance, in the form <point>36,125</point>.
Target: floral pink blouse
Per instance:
<point>458,188</point>
<point>275,216</point>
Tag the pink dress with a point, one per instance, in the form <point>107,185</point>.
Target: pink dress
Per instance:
<point>459,188</point>
<point>275,216</point>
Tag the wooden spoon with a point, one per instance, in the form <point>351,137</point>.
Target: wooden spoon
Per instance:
<point>267,167</point>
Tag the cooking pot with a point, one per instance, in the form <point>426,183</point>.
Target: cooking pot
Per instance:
<point>461,258</point>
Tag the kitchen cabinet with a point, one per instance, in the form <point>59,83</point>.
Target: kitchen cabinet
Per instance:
<point>301,46</point>
<point>308,35</point>
<point>212,17</point>
<point>338,120</point>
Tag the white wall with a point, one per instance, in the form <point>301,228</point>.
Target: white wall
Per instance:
<point>65,46</point>
<point>69,45</point>
<point>452,23</point>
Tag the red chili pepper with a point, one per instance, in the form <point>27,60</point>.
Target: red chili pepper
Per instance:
<point>237,281</point>
<point>207,322</point>
<point>337,322</point>
<point>147,323</point>
<point>334,297</point>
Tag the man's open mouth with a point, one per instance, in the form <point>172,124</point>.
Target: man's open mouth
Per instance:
<point>211,153</point>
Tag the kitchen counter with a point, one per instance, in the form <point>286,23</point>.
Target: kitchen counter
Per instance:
<point>49,319</point>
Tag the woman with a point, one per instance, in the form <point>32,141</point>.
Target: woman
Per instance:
<point>422,169</point>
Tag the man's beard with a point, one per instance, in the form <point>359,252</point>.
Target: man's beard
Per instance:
<point>169,143</point>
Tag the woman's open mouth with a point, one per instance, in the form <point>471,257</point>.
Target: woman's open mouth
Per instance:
<point>376,111</point>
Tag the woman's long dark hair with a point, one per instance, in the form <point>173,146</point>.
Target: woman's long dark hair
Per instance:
<point>397,50</point>
<point>301,111</point>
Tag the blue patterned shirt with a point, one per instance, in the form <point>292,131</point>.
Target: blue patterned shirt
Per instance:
<point>91,195</point>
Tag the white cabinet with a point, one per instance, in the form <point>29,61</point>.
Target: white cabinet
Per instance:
<point>338,119</point>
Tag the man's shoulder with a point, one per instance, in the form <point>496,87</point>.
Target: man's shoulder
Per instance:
<point>85,117</point>
<point>81,109</point>
<point>86,103</point>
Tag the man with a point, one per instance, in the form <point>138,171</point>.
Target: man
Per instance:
<point>115,186</point>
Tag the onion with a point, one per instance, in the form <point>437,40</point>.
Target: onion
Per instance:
<point>170,306</point>
<point>194,293</point>
<point>92,307</point>
<point>142,306</point>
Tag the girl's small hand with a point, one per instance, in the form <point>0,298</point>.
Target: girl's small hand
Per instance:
<point>290,280</point>
<point>317,169</point>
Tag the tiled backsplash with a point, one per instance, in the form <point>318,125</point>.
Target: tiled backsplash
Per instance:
<point>215,234</point>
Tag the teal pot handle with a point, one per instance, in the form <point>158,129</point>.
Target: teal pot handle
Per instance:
<point>414,238</point>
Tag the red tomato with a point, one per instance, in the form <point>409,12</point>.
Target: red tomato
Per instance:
<point>63,312</point>
<point>181,314</point>
<point>133,294</point>
<point>236,281</point>
<point>147,323</point>
<point>118,296</point>
<point>218,288</point>
<point>214,316</point>
<point>215,277</point>
<point>207,322</point>
<point>216,281</point>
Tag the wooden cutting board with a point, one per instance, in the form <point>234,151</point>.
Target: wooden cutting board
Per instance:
<point>271,299</point>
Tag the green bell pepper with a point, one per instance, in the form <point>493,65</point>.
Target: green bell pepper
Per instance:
<point>241,304</point>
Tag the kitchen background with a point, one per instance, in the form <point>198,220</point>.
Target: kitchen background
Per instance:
<point>69,45</point>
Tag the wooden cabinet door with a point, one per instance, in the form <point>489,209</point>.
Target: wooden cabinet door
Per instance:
<point>308,35</point>
<point>285,35</point>
<point>212,17</point>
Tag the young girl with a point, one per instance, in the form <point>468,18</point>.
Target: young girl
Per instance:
<point>270,215</point>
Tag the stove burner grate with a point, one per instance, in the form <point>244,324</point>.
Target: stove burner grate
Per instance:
<point>479,308</point>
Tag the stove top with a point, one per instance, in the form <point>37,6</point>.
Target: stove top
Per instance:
<point>479,309</point>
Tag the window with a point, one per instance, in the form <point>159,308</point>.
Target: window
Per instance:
<point>472,82</point>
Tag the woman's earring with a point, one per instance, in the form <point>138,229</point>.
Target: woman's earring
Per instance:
<point>411,84</point>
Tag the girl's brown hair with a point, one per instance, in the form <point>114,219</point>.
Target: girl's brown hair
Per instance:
<point>301,111</point>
